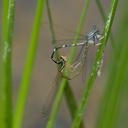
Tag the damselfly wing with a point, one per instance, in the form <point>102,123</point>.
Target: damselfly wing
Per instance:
<point>49,100</point>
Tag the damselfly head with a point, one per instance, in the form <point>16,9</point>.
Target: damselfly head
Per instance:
<point>64,58</point>
<point>91,34</point>
<point>94,36</point>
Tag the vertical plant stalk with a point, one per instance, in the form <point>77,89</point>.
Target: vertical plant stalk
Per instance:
<point>6,60</point>
<point>103,15</point>
<point>27,71</point>
<point>62,86</point>
<point>51,23</point>
<point>68,92</point>
<point>71,102</point>
<point>114,93</point>
<point>116,82</point>
<point>95,68</point>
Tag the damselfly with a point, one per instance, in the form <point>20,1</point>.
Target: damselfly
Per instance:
<point>91,38</point>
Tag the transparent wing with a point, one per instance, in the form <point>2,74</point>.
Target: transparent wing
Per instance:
<point>80,53</point>
<point>68,41</point>
<point>49,101</point>
<point>75,68</point>
<point>83,60</point>
<point>60,29</point>
<point>84,66</point>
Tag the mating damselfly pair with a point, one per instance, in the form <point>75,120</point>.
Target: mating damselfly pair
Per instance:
<point>74,69</point>
<point>91,38</point>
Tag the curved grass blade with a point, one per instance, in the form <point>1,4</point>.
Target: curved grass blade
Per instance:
<point>95,68</point>
<point>103,15</point>
<point>27,71</point>
<point>116,82</point>
<point>51,23</point>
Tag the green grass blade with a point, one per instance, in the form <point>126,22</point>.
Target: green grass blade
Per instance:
<point>101,10</point>
<point>51,23</point>
<point>71,102</point>
<point>79,28</point>
<point>103,15</point>
<point>6,60</point>
<point>59,94</point>
<point>72,105</point>
<point>95,67</point>
<point>109,108</point>
<point>27,72</point>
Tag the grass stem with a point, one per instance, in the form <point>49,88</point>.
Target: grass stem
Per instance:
<point>68,92</point>
<point>95,68</point>
<point>6,67</point>
<point>27,71</point>
<point>62,86</point>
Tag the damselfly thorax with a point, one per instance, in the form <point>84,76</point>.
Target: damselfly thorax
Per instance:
<point>91,38</point>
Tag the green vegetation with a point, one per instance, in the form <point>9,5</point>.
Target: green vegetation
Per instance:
<point>5,61</point>
<point>111,108</point>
